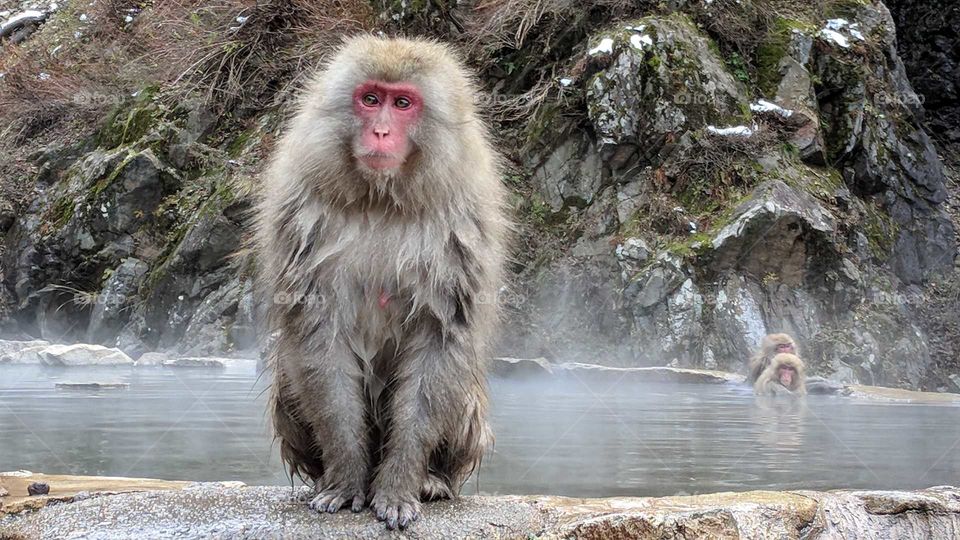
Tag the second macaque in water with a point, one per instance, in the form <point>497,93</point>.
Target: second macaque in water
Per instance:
<point>783,376</point>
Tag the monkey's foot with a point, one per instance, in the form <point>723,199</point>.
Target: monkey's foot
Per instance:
<point>434,489</point>
<point>331,500</point>
<point>396,511</point>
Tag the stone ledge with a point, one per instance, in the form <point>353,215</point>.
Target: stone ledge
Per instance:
<point>185,510</point>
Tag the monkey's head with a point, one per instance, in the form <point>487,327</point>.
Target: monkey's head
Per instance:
<point>788,370</point>
<point>391,109</point>
<point>777,344</point>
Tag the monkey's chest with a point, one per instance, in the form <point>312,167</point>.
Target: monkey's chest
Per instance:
<point>379,274</point>
<point>381,299</point>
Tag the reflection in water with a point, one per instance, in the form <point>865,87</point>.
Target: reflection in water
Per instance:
<point>780,421</point>
<point>560,437</point>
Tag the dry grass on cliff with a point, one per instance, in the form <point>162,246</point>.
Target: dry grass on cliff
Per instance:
<point>87,59</point>
<point>510,23</point>
<point>59,85</point>
<point>240,52</point>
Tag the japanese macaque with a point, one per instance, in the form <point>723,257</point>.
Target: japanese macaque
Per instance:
<point>381,238</point>
<point>784,376</point>
<point>770,346</point>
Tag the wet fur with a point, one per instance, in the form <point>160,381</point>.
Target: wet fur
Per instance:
<point>768,348</point>
<point>388,403</point>
<point>768,384</point>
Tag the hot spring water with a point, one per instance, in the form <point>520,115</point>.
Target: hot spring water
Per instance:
<point>558,435</point>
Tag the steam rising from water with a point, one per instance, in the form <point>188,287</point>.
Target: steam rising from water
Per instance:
<point>558,436</point>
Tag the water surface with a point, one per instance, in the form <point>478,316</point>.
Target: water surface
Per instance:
<point>558,436</point>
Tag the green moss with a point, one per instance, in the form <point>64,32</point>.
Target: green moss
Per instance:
<point>131,120</point>
<point>881,232</point>
<point>774,47</point>
<point>653,62</point>
<point>108,180</point>
<point>61,212</point>
<point>541,126</point>
<point>540,211</point>
<point>690,246</point>
<point>737,66</point>
<point>237,147</point>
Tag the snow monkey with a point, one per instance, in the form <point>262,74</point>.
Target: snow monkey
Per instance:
<point>770,345</point>
<point>381,237</point>
<point>784,376</point>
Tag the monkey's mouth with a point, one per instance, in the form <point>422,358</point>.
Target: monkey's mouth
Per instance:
<point>381,162</point>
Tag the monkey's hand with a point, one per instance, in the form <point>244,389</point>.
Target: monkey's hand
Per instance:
<point>396,509</point>
<point>331,500</point>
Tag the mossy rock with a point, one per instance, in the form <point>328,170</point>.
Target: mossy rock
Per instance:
<point>660,77</point>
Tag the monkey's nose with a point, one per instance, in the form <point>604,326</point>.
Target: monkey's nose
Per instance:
<point>381,132</point>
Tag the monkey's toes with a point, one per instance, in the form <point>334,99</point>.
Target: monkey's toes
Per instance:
<point>395,513</point>
<point>332,500</point>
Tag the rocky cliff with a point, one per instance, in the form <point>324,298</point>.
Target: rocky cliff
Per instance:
<point>687,175</point>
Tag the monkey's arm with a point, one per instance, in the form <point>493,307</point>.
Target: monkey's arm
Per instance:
<point>777,389</point>
<point>771,387</point>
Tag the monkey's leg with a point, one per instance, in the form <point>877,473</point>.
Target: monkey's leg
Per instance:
<point>463,443</point>
<point>336,409</point>
<point>429,390</point>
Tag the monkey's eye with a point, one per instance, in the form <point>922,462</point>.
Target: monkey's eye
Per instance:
<point>402,103</point>
<point>370,100</point>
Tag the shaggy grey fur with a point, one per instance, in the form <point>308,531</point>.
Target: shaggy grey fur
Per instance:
<point>383,287</point>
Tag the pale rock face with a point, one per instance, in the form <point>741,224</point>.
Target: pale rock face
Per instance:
<point>84,355</point>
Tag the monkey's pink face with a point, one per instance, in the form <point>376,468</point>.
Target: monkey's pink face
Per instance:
<point>387,113</point>
<point>786,375</point>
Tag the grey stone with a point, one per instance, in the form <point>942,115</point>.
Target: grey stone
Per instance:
<point>778,231</point>
<point>153,359</point>
<point>83,354</point>
<point>113,304</point>
<point>571,175</point>
<point>218,511</point>
<point>22,352</point>
<point>196,362</point>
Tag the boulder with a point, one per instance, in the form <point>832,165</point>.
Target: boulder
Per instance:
<point>196,281</point>
<point>666,307</point>
<point>197,362</point>
<point>153,359</point>
<point>779,231</point>
<point>21,352</point>
<point>647,374</point>
<point>83,354</point>
<point>876,139</point>
<point>571,175</point>
<point>925,30</point>
<point>523,367</point>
